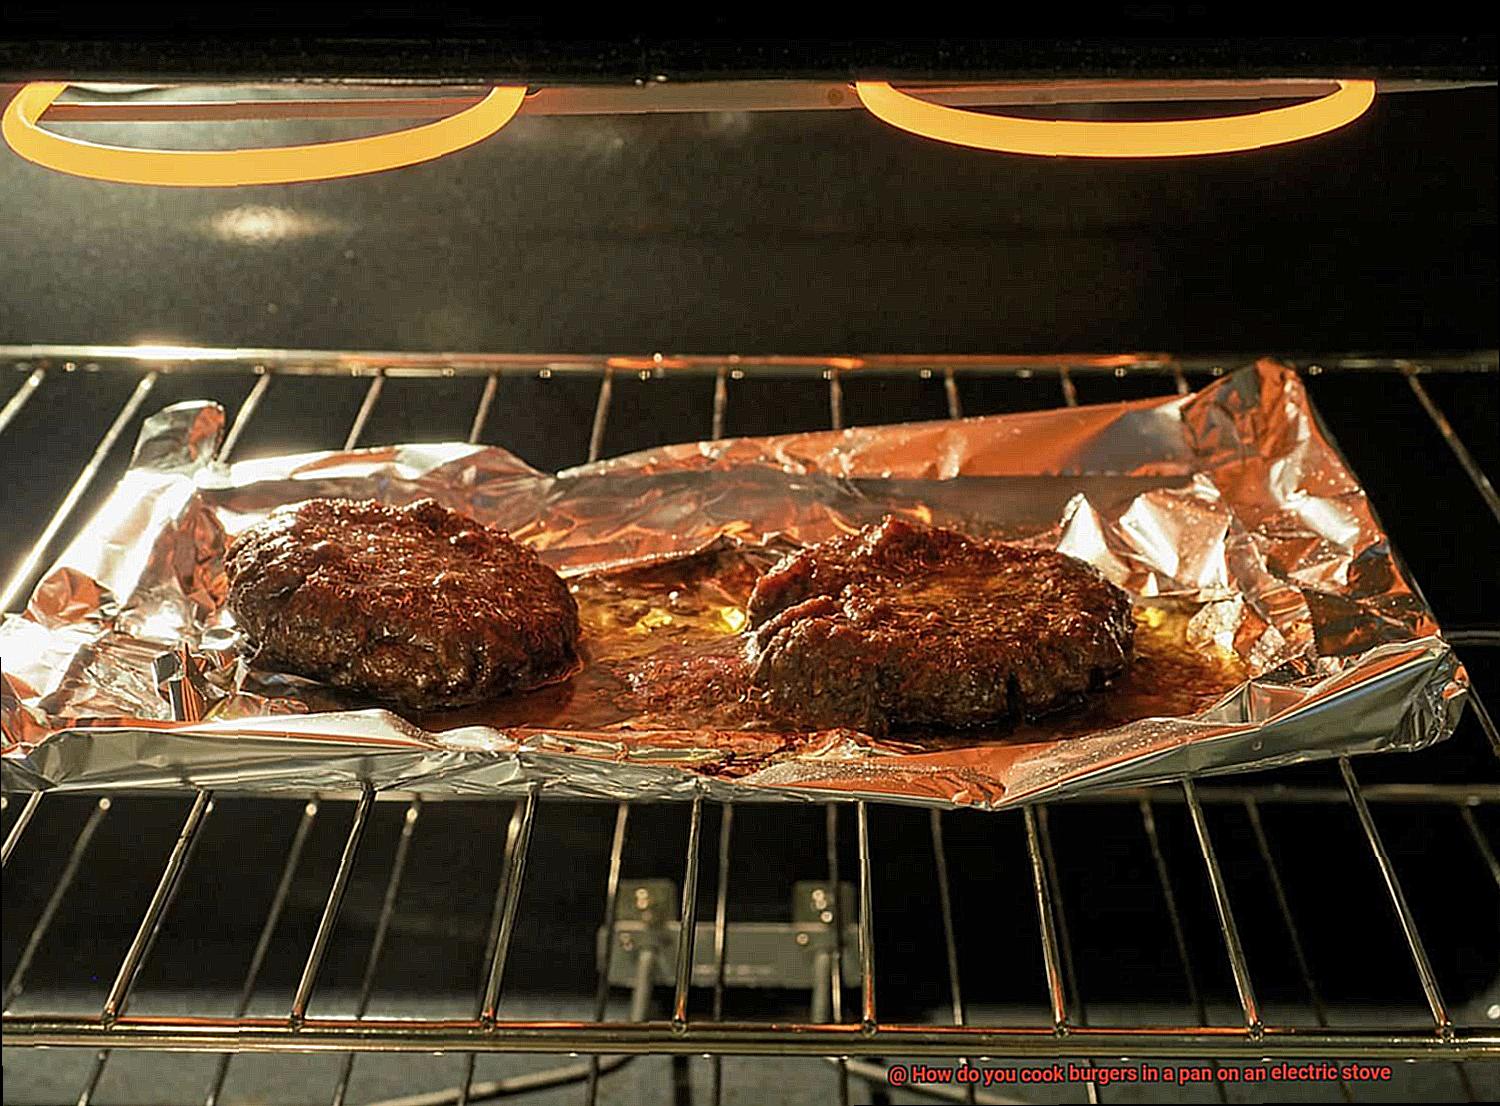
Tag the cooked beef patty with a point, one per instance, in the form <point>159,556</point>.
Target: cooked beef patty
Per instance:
<point>417,605</point>
<point>903,624</point>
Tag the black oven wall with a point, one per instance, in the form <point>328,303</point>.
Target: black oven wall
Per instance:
<point>779,232</point>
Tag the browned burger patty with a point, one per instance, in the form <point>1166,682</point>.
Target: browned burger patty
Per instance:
<point>902,624</point>
<point>416,605</point>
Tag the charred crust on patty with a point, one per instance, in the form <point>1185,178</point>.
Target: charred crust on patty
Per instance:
<point>902,624</point>
<point>419,606</point>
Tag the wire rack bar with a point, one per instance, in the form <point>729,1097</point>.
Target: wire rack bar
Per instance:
<point>835,399</point>
<point>601,413</point>
<point>145,937</point>
<point>721,403</point>
<point>226,447</point>
<point>1294,935</point>
<point>1065,944</point>
<point>1476,635</point>
<point>366,408</point>
<point>1477,794</point>
<point>868,1021</point>
<point>246,412</point>
<point>1169,898</point>
<point>1467,794</point>
<point>1284,906</point>
<point>606,957</point>
<point>476,431</point>
<point>1047,920</point>
<point>17,982</point>
<point>497,912</point>
<point>263,940</point>
<point>1455,443</point>
<point>377,943</point>
<point>1057,952</point>
<point>33,559</point>
<point>721,927</point>
<point>1070,397</point>
<point>482,413</point>
<point>1486,853</point>
<point>950,393</point>
<point>166,888</point>
<point>331,907</point>
<point>688,916</point>
<point>162,358</point>
<point>320,1034</point>
<point>1179,937</point>
<point>1398,901</point>
<point>1486,720</point>
<point>466,1087</point>
<point>517,850</point>
<point>945,909</point>
<point>18,827</point>
<point>1069,389</point>
<point>1408,922</point>
<point>950,937</point>
<point>22,397</point>
<point>96,1072</point>
<point>509,1087</point>
<point>1227,927</point>
<point>836,920</point>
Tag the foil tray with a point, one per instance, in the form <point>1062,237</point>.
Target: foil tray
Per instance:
<point>1275,623</point>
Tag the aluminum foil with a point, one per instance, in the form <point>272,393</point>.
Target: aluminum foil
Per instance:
<point>1275,623</point>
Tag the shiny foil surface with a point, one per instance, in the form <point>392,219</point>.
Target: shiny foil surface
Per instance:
<point>1274,623</point>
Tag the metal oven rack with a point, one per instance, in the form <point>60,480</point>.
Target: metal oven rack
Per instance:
<point>850,953</point>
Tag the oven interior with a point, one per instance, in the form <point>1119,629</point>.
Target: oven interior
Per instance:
<point>1354,900</point>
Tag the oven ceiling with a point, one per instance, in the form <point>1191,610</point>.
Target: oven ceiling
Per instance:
<point>449,43</point>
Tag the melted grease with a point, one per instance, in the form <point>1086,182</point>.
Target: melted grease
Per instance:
<point>694,600</point>
<point>660,651</point>
<point>664,651</point>
<point>1168,677</point>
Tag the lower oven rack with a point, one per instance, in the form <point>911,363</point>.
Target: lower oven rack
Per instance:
<point>846,1035</point>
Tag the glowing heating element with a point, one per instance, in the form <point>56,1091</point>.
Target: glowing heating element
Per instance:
<point>264,165</point>
<point>1073,138</point>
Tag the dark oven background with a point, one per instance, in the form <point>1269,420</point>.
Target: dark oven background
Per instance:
<point>800,232</point>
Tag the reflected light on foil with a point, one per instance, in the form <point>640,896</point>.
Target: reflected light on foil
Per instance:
<point>1326,518</point>
<point>261,225</point>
